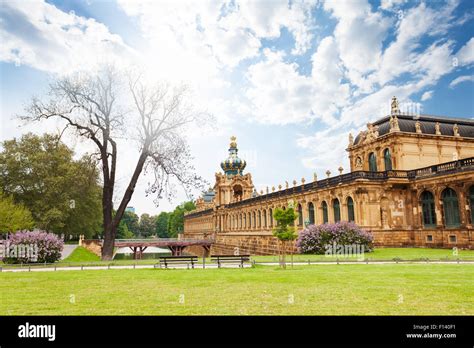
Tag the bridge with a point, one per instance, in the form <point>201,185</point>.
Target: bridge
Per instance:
<point>175,245</point>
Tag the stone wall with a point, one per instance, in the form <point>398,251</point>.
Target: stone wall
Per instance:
<point>265,244</point>
<point>92,245</point>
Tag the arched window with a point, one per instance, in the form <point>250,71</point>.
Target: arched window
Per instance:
<point>259,219</point>
<point>300,215</point>
<point>254,220</point>
<point>240,223</point>
<point>350,209</point>
<point>325,212</point>
<point>471,203</point>
<point>249,220</point>
<point>428,209</point>
<point>264,218</point>
<point>451,208</point>
<point>372,162</point>
<point>337,210</point>
<point>387,158</point>
<point>311,213</point>
<point>270,212</point>
<point>245,221</point>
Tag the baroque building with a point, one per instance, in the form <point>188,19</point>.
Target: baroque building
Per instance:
<point>411,183</point>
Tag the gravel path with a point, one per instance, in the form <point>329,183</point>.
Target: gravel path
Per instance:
<point>67,250</point>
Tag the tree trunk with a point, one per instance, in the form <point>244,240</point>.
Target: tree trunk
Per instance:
<point>111,222</point>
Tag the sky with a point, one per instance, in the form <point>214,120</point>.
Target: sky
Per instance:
<point>290,79</point>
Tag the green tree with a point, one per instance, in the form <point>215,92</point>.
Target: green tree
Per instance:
<point>176,219</point>
<point>284,231</point>
<point>132,221</point>
<point>123,232</point>
<point>13,217</point>
<point>61,193</point>
<point>161,224</point>
<point>147,225</point>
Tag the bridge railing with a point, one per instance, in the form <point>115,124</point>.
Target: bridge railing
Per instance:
<point>148,240</point>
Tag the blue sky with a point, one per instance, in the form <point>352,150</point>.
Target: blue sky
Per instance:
<point>289,79</point>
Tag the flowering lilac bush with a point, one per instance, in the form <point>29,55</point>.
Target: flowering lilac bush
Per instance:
<point>33,246</point>
<point>314,239</point>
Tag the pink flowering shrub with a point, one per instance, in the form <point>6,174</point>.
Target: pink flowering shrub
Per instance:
<point>33,246</point>
<point>314,239</point>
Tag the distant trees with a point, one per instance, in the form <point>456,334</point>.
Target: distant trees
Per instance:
<point>147,226</point>
<point>13,217</point>
<point>62,194</point>
<point>131,220</point>
<point>161,225</point>
<point>176,218</point>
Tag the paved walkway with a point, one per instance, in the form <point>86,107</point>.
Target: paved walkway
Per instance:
<point>93,268</point>
<point>67,250</point>
<point>214,266</point>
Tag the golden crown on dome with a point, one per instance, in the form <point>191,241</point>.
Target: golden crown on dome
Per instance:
<point>233,165</point>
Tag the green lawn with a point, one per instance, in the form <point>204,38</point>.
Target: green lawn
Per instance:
<point>81,254</point>
<point>397,289</point>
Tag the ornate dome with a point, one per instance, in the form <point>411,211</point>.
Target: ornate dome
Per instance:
<point>233,165</point>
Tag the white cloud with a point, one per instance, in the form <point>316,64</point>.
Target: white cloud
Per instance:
<point>427,95</point>
<point>466,53</point>
<point>40,35</point>
<point>359,34</point>
<point>461,79</point>
<point>278,93</point>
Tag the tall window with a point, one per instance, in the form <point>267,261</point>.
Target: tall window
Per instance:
<point>240,224</point>
<point>337,210</point>
<point>451,208</point>
<point>372,162</point>
<point>311,213</point>
<point>264,218</point>
<point>259,218</point>
<point>254,220</point>
<point>471,203</point>
<point>387,158</point>
<point>270,211</point>
<point>325,212</point>
<point>245,220</point>
<point>428,209</point>
<point>350,209</point>
<point>300,215</point>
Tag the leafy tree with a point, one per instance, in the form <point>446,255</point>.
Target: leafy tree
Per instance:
<point>123,232</point>
<point>132,221</point>
<point>61,193</point>
<point>147,225</point>
<point>13,217</point>
<point>284,230</point>
<point>176,218</point>
<point>161,224</point>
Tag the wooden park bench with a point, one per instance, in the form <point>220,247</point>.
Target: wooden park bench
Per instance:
<point>177,260</point>
<point>240,259</point>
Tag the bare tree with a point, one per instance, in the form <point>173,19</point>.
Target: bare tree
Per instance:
<point>89,104</point>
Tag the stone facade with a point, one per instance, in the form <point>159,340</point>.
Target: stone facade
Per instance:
<point>411,183</point>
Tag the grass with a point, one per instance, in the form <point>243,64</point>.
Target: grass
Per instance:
<point>81,254</point>
<point>390,289</point>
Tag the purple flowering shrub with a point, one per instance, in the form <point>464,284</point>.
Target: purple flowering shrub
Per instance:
<point>33,246</point>
<point>314,239</point>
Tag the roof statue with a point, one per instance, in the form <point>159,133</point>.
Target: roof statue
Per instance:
<point>394,108</point>
<point>418,127</point>
<point>456,130</point>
